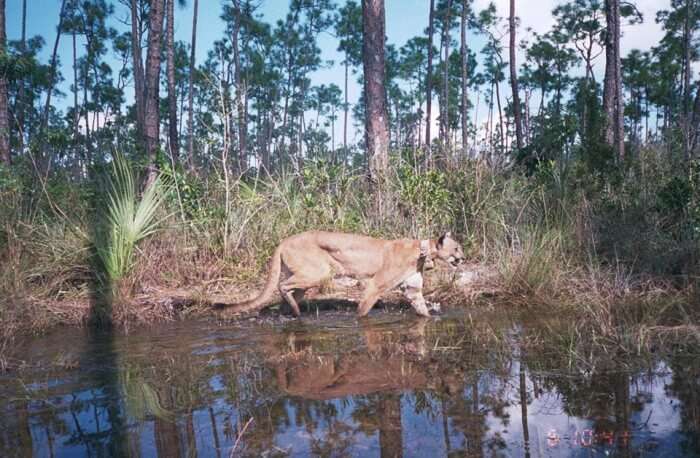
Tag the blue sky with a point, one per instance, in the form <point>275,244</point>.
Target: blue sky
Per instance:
<point>405,19</point>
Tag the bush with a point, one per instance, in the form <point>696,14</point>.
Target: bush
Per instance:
<point>425,199</point>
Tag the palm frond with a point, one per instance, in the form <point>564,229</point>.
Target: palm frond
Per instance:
<point>129,217</point>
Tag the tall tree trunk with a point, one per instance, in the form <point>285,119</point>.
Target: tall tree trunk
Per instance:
<point>377,129</point>
<point>20,102</point>
<point>81,163</point>
<point>390,427</point>
<point>619,100</point>
<point>587,102</point>
<point>445,427</point>
<point>230,107</point>
<point>465,75</point>
<point>429,82</point>
<point>346,108</point>
<point>167,438</point>
<point>240,92</point>
<point>180,111</point>
<point>514,81</point>
<point>687,49</point>
<point>76,108</point>
<point>445,118</point>
<point>441,95</point>
<point>612,87</point>
<point>172,91</point>
<point>4,113</point>
<point>190,95</point>
<point>609,79</point>
<point>269,122</point>
<point>285,111</point>
<point>286,121</point>
<point>476,117</point>
<point>500,119</point>
<point>88,141</point>
<point>695,117</point>
<point>398,126</point>
<point>23,437</point>
<point>646,118</point>
<point>52,71</point>
<point>335,161</point>
<point>139,86</point>
<point>152,119</point>
<point>300,141</point>
<point>523,406</point>
<point>244,115</point>
<point>489,127</point>
<point>191,448</point>
<point>526,121</point>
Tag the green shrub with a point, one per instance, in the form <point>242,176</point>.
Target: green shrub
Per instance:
<point>426,198</point>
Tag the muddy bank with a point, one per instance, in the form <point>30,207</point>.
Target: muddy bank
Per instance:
<point>454,287</point>
<point>152,303</point>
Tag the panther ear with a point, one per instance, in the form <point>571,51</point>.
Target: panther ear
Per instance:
<point>441,240</point>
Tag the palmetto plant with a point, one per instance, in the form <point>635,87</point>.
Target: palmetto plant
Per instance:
<point>129,218</point>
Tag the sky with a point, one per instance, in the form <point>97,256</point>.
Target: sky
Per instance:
<point>405,19</point>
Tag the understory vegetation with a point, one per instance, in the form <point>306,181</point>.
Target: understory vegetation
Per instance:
<point>614,253</point>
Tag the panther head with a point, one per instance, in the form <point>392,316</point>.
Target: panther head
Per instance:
<point>449,250</point>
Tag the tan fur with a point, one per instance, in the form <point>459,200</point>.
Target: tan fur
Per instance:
<point>309,259</point>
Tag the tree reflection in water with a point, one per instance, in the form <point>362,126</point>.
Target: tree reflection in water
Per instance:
<point>389,386</point>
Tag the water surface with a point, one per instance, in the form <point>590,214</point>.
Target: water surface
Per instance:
<point>330,385</point>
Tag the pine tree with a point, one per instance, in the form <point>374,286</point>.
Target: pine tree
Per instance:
<point>190,92</point>
<point>174,141</point>
<point>376,128</point>
<point>152,99</point>
<point>4,108</point>
<point>517,111</point>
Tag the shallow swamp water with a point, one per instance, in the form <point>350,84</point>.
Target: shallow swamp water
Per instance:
<point>461,384</point>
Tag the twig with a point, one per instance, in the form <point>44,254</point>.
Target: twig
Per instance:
<point>240,435</point>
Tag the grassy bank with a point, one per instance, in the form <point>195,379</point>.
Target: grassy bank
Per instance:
<point>619,250</point>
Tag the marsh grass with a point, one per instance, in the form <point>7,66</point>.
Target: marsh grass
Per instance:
<point>531,260</point>
<point>555,246</point>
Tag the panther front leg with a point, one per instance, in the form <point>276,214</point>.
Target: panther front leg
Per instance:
<point>412,289</point>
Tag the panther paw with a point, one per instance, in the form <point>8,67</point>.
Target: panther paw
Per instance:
<point>434,307</point>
